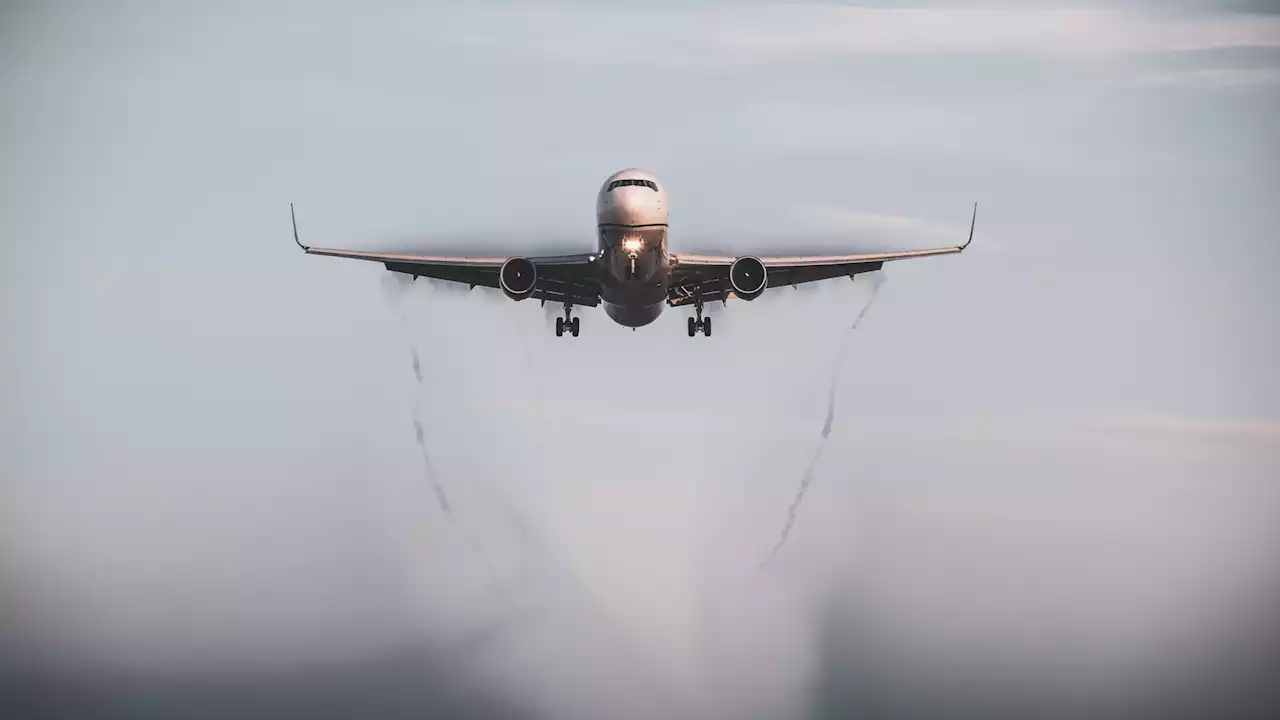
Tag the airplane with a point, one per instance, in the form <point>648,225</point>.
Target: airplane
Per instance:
<point>632,271</point>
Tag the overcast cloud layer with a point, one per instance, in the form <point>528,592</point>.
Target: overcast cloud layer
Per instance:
<point>1050,482</point>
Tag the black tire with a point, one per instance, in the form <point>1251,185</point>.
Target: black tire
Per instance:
<point>706,327</point>
<point>693,328</point>
<point>559,327</point>
<point>574,327</point>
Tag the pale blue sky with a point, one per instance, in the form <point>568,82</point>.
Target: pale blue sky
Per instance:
<point>194,412</point>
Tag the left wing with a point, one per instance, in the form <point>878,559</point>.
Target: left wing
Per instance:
<point>560,277</point>
<point>709,274</point>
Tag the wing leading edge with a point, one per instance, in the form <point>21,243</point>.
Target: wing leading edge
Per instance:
<point>560,277</point>
<point>708,275</point>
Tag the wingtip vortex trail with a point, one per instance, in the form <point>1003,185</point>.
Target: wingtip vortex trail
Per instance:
<point>396,297</point>
<point>806,479</point>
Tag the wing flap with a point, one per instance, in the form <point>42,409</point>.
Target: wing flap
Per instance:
<point>796,275</point>
<point>558,291</point>
<point>482,276</point>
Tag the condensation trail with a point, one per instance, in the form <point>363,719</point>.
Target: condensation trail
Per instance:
<point>807,478</point>
<point>426,464</point>
<point>395,295</point>
<point>428,470</point>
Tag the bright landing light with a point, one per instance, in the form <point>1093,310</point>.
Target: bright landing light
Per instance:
<point>632,244</point>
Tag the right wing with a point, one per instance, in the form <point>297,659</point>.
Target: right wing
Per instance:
<point>560,277</point>
<point>708,275</point>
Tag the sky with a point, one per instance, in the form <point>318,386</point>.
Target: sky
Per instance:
<point>1050,480</point>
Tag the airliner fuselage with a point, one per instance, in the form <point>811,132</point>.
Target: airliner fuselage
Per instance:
<point>633,262</point>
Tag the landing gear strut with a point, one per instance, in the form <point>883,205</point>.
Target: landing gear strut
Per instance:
<point>567,322</point>
<point>699,324</point>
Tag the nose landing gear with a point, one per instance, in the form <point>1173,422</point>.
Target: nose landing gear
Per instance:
<point>567,322</point>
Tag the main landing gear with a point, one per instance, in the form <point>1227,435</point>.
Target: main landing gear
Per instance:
<point>703,324</point>
<point>567,322</point>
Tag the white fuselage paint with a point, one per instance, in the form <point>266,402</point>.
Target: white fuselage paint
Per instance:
<point>634,263</point>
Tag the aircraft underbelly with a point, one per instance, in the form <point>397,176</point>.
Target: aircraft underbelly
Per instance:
<point>634,315</point>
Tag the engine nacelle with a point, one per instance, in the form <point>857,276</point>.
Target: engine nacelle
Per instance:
<point>748,277</point>
<point>517,277</point>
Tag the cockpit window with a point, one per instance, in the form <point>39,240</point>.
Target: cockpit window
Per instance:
<point>633,181</point>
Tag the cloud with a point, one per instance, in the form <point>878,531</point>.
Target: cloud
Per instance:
<point>882,227</point>
<point>1089,432</point>
<point>1192,427</point>
<point>1212,78</point>
<point>727,36</point>
<point>1039,31</point>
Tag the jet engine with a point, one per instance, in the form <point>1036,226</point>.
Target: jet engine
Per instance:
<point>748,277</point>
<point>517,277</point>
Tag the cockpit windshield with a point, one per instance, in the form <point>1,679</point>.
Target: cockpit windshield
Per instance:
<point>633,181</point>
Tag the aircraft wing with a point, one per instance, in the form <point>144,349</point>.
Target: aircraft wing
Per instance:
<point>560,277</point>
<point>709,274</point>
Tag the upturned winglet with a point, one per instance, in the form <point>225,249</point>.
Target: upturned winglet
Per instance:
<point>294,217</point>
<point>972,223</point>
